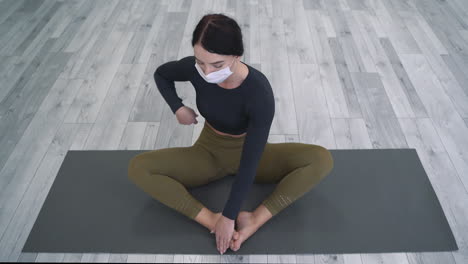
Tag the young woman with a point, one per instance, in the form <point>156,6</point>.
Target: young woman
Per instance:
<point>238,105</point>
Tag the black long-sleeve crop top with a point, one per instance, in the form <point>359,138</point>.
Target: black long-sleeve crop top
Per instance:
<point>248,108</point>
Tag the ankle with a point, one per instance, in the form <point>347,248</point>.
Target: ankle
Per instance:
<point>205,217</point>
<point>261,215</point>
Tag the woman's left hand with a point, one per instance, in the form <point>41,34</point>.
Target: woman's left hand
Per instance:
<point>224,229</point>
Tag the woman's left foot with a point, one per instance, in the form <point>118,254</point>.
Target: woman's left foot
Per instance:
<point>246,227</point>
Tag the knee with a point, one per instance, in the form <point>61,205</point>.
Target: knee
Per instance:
<point>134,168</point>
<point>325,159</point>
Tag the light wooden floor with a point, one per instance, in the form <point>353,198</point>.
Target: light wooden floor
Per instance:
<point>77,75</point>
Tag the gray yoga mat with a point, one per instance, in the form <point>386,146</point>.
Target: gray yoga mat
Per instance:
<point>373,201</point>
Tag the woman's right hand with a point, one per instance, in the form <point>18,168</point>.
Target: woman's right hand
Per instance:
<point>186,116</point>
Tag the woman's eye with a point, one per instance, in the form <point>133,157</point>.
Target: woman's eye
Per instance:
<point>215,66</point>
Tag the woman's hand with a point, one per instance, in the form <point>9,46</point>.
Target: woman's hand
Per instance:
<point>186,115</point>
<point>224,229</point>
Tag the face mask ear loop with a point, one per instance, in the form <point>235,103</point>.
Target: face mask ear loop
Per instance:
<point>233,62</point>
<point>231,66</point>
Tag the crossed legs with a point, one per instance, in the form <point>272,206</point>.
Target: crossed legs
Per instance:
<point>165,174</point>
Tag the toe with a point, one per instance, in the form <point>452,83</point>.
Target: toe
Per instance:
<point>236,244</point>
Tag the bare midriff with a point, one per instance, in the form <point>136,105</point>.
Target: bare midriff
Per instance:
<point>224,134</point>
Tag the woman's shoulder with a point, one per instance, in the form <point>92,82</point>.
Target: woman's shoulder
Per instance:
<point>255,75</point>
<point>259,81</point>
<point>178,70</point>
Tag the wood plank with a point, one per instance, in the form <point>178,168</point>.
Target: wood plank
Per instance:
<point>10,25</point>
<point>82,61</point>
<point>422,135</point>
<point>336,100</point>
<point>443,26</point>
<point>28,189</point>
<point>277,72</point>
<point>141,28</point>
<point>8,7</point>
<point>394,27</point>
<point>343,37</point>
<point>378,113</point>
<point>345,78</point>
<point>99,13</point>
<point>393,88</point>
<point>366,62</point>
<point>445,76</point>
<point>403,79</point>
<point>346,74</point>
<point>21,48</point>
<point>31,6</point>
<point>73,26</point>
<point>21,68</point>
<point>28,91</point>
<point>459,72</point>
<point>23,29</point>
<point>448,123</point>
<point>92,94</point>
<point>296,32</point>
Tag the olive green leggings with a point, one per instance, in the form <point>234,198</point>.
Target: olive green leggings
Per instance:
<point>166,173</point>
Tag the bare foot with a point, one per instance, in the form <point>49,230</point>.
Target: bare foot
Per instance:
<point>246,227</point>
<point>235,235</point>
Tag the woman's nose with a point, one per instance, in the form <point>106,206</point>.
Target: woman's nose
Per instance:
<point>208,71</point>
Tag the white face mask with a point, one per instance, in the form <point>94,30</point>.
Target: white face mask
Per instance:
<point>217,76</point>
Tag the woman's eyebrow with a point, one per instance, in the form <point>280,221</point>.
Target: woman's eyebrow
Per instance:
<point>210,63</point>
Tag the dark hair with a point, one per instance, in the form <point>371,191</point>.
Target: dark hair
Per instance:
<point>218,33</point>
